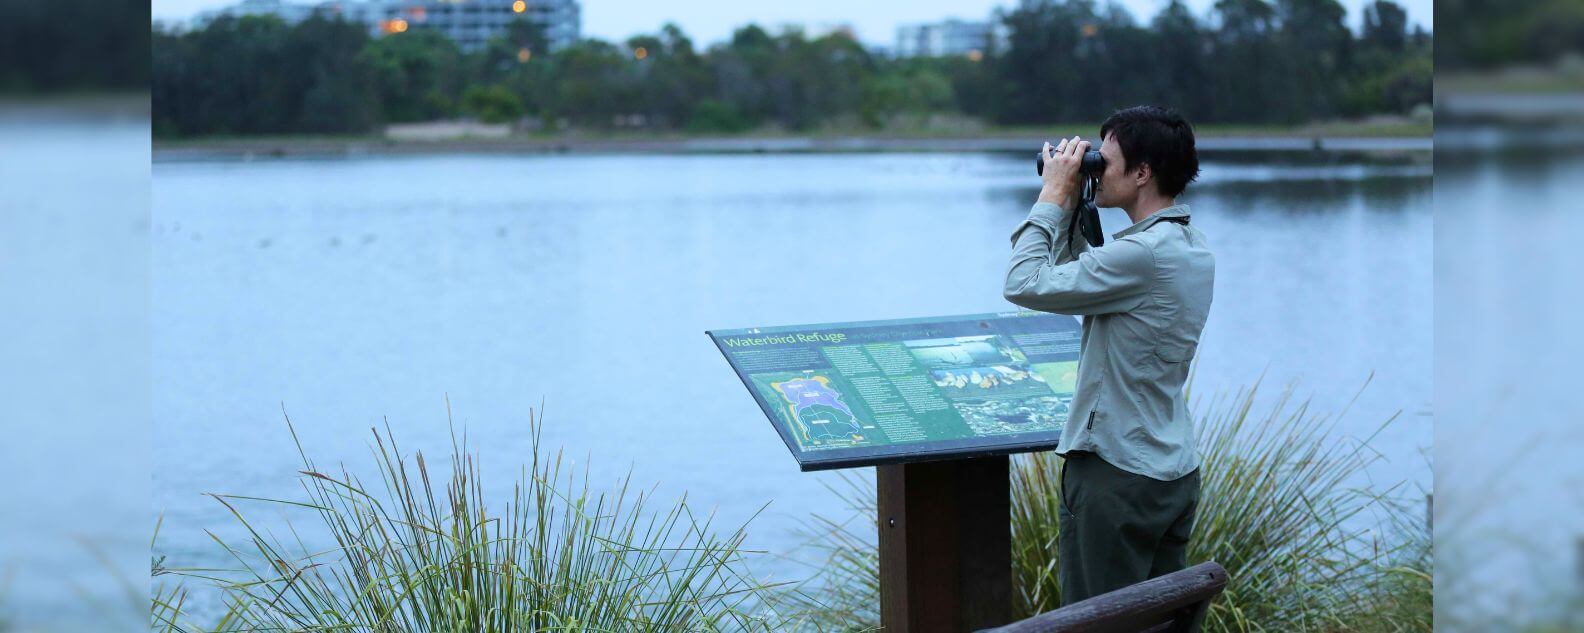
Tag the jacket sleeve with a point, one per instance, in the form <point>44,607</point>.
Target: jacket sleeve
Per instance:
<point>1051,273</point>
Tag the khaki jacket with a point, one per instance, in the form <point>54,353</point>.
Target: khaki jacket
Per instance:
<point>1144,297</point>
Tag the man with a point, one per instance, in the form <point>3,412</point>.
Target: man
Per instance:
<point>1130,478</point>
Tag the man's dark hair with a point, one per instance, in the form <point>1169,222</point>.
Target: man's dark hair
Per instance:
<point>1160,138</point>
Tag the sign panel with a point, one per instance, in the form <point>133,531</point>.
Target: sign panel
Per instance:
<point>878,392</point>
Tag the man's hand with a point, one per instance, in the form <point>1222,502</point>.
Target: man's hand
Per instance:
<point>1061,176</point>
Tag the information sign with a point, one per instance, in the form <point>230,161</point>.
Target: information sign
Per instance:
<point>881,392</point>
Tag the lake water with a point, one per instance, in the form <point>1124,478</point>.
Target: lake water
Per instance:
<point>351,291</point>
<point>74,467</point>
<point>1509,526</point>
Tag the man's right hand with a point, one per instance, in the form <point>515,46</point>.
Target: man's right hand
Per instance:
<point>1061,178</point>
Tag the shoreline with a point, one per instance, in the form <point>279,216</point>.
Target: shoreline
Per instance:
<point>370,146</point>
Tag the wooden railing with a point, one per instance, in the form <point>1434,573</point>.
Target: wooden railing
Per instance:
<point>1175,602</point>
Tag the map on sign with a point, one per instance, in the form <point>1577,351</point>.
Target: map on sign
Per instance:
<point>818,409</point>
<point>859,394</point>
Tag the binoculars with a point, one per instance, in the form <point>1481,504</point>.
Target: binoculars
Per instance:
<point>1093,163</point>
<point>1086,222</point>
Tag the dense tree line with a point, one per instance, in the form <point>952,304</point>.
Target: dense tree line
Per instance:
<point>64,46</point>
<point>1249,61</point>
<point>1483,34</point>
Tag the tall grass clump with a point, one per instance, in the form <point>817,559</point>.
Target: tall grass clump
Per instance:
<point>1277,511</point>
<point>426,551</point>
<point>1304,550</point>
<point>1399,595</point>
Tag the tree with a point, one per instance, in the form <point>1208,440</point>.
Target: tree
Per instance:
<point>331,91</point>
<point>520,60</point>
<point>1385,27</point>
<point>1250,79</point>
<point>54,46</point>
<point>1316,45</point>
<point>740,68</point>
<point>1041,67</point>
<point>1392,67</point>
<point>1065,61</point>
<point>492,104</point>
<point>917,90</point>
<point>1182,49</point>
<point>670,76</point>
<point>593,83</point>
<point>416,75</point>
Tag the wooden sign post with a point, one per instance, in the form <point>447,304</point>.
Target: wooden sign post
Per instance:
<point>945,545</point>
<point>935,405</point>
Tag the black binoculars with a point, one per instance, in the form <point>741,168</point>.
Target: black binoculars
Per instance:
<point>1093,163</point>
<point>1086,222</point>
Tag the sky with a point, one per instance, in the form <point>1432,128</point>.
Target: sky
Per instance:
<point>874,21</point>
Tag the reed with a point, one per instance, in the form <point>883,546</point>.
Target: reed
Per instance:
<point>418,551</point>
<point>1305,551</point>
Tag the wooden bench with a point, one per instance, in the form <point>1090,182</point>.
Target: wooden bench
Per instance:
<point>1175,603</point>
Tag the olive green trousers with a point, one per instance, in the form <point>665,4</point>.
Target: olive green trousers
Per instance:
<point>1119,528</point>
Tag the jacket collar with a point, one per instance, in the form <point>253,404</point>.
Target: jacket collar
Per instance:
<point>1174,211</point>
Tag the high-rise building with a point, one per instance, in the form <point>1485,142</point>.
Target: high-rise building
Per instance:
<point>470,23</point>
<point>947,38</point>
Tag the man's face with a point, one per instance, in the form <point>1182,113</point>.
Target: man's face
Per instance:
<point>1118,186</point>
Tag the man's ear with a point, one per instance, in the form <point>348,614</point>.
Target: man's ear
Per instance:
<point>1144,175</point>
